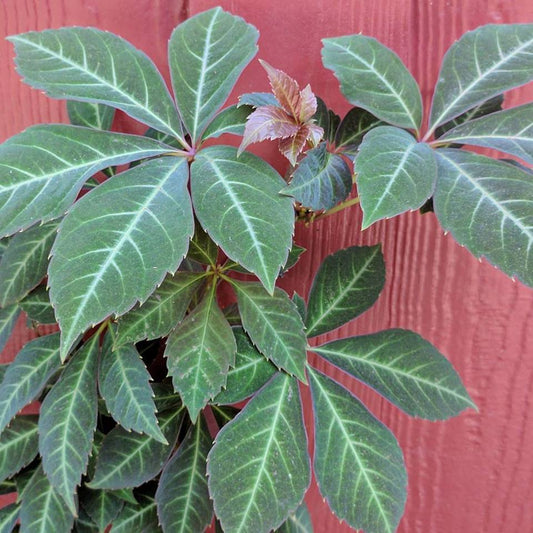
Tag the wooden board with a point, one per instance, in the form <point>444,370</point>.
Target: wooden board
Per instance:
<point>475,472</point>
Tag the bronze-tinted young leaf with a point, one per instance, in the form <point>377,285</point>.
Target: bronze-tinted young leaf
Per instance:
<point>268,122</point>
<point>19,444</point>
<point>27,375</point>
<point>199,353</point>
<point>358,463</point>
<point>67,422</point>
<point>347,283</point>
<point>183,503</point>
<point>161,312</point>
<point>260,457</point>
<point>292,147</point>
<point>124,384</point>
<point>251,371</point>
<point>128,459</point>
<point>42,508</point>
<point>321,180</point>
<point>403,367</point>
<point>274,325</point>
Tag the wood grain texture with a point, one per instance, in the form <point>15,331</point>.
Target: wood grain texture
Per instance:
<point>475,472</point>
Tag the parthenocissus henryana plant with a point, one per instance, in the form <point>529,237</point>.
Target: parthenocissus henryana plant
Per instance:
<point>138,426</point>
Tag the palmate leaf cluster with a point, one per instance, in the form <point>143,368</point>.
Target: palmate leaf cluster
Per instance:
<point>162,410</point>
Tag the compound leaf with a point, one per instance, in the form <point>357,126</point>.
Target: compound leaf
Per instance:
<point>483,63</point>
<point>261,457</point>
<point>128,459</point>
<point>124,384</point>
<point>27,375</point>
<point>274,325</point>
<point>68,420</point>
<point>486,205</point>
<point>358,464</point>
<point>373,77</point>
<point>42,508</point>
<point>252,370</point>
<point>19,444</point>
<point>45,166</point>
<point>96,66</point>
<point>207,53</point>
<point>139,517</point>
<point>199,352</point>
<point>182,496</point>
<point>136,228</point>
<point>25,261</point>
<point>321,180</point>
<point>509,131</point>
<point>403,367</point>
<point>237,201</point>
<point>347,283</point>
<point>394,173</point>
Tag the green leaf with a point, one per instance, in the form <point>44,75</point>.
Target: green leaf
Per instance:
<point>96,66</point>
<point>347,283</point>
<point>207,53</point>
<point>486,205</point>
<point>274,325</point>
<point>403,367</point>
<point>8,517</point>
<point>483,63</point>
<point>161,312</point>
<point>243,195</point>
<point>224,414</point>
<point>126,495</point>
<point>182,496</point>
<point>298,522</point>
<point>102,506</point>
<point>258,100</point>
<point>90,115</point>
<point>165,397</point>
<point>202,249</point>
<point>42,509</point>
<point>84,523</point>
<point>394,173</point>
<point>358,463</point>
<point>8,319</point>
<point>259,467</point>
<point>45,167</point>
<point>373,77</point>
<point>199,353</point>
<point>484,108</point>
<point>326,119</point>
<point>354,126</point>
<point>27,375</point>
<point>25,261</point>
<point>128,459</point>
<point>124,384</point>
<point>509,131</point>
<point>68,420</point>
<point>294,256</point>
<point>137,518</point>
<point>321,180</point>
<point>301,306</point>
<point>229,120</point>
<point>250,373</point>
<point>8,487</point>
<point>19,444</point>
<point>136,228</point>
<point>37,306</point>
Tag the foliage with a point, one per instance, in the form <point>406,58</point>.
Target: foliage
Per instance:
<point>161,410</point>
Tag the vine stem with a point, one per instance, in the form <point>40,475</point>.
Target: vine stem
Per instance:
<point>337,208</point>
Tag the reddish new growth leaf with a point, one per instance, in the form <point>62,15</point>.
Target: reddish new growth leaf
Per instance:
<point>292,123</point>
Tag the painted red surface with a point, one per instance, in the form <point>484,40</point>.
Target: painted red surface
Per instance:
<point>471,474</point>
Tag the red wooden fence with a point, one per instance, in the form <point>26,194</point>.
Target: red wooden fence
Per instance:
<point>471,474</point>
